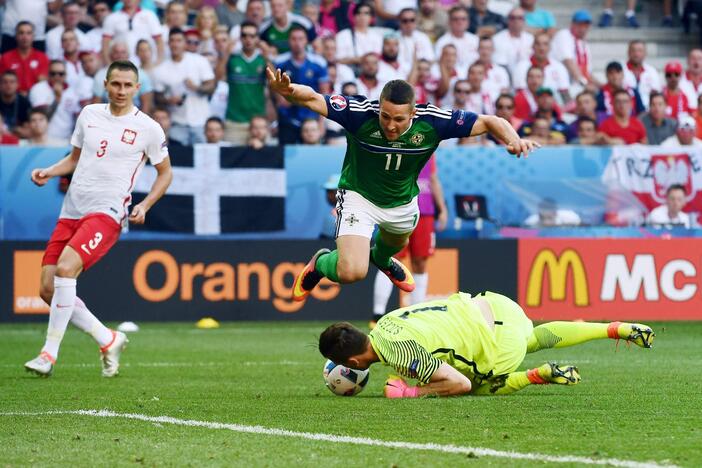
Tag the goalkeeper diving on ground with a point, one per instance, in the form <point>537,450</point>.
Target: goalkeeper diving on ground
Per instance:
<point>467,345</point>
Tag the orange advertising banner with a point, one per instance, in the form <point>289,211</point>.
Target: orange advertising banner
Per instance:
<point>610,279</point>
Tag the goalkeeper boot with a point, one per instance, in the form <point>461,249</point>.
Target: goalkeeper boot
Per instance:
<point>110,354</point>
<point>398,274</point>
<point>553,373</point>
<point>41,365</point>
<point>637,333</point>
<point>308,278</point>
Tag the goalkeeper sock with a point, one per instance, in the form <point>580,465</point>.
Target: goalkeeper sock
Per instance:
<point>505,384</point>
<point>382,252</point>
<point>326,265</point>
<point>562,334</point>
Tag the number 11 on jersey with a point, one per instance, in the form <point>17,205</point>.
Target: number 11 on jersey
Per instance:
<point>389,160</point>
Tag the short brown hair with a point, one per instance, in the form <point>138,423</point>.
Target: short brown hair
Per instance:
<point>398,92</point>
<point>342,340</point>
<point>123,65</point>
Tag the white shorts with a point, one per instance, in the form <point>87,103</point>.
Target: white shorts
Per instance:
<point>357,216</point>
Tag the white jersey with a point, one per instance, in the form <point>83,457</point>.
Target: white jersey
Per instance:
<point>113,151</point>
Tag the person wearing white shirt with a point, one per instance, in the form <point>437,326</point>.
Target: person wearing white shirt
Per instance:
<point>640,75</point>
<point>555,74</point>
<point>176,16</point>
<point>344,74</point>
<point>131,23</point>
<point>355,42</point>
<point>414,44</point>
<point>478,100</point>
<point>35,11</point>
<point>684,135</point>
<point>691,80</point>
<point>549,215</point>
<point>184,83</point>
<point>71,57</point>
<point>671,213</point>
<point>466,43</point>
<point>496,79</point>
<point>368,82</point>
<point>570,48</point>
<point>101,9</point>
<point>214,132</point>
<point>70,13</point>
<point>389,67</point>
<point>514,44</point>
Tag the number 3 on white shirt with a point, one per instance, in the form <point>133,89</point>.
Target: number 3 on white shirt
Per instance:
<point>103,149</point>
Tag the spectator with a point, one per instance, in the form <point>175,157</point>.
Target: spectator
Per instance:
<point>145,54</point>
<point>276,31</point>
<point>504,107</point>
<point>70,13</point>
<point>310,132</point>
<point>608,14</point>
<point>638,74</point>
<point>176,17</point>
<point>658,126</point>
<point>424,83</point>
<point>478,100</point>
<point>245,73</point>
<point>542,134</point>
<point>525,100</point>
<point>414,44</point>
<point>691,80</point>
<point>38,131</point>
<point>192,41</point>
<point>71,57</point>
<point>206,24</point>
<point>586,107</point>
<point>671,213</point>
<point>29,64</point>
<point>570,48</point>
<point>228,14</point>
<point>615,81</point>
<point>549,215</point>
<point>6,136</point>
<point>368,83</point>
<point>214,132</point>
<point>360,39</point>
<point>547,109</point>
<point>432,20</point>
<point>461,91</point>
<point>303,68</point>
<point>537,19</point>
<point>484,22</point>
<point>389,67</point>
<point>676,99</point>
<point>14,107</point>
<point>310,10</point>
<point>587,133</point>
<point>90,62</point>
<point>163,117</point>
<point>698,118</point>
<point>145,95</point>
<point>184,83</point>
<point>684,135</point>
<point>514,44</point>
<point>555,73</point>
<point>255,13</point>
<point>496,76</point>
<point>466,43</point>
<point>20,11</point>
<point>335,15</point>
<point>344,74</point>
<point>100,9</point>
<point>60,101</point>
<point>258,132</point>
<point>130,24</point>
<point>622,124</point>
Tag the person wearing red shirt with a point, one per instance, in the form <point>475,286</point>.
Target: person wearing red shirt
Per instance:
<point>676,100</point>
<point>622,125</point>
<point>29,64</point>
<point>525,99</point>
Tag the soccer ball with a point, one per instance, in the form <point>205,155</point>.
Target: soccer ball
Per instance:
<point>344,381</point>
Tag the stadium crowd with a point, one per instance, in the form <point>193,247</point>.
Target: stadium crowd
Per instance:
<point>202,68</point>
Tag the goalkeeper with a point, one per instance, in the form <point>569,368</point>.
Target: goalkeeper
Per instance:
<point>466,344</point>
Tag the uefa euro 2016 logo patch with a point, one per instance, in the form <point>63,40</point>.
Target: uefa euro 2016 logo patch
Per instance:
<point>338,102</point>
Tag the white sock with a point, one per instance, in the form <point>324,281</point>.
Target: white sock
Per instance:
<point>62,305</point>
<point>630,13</point>
<point>382,288</point>
<point>608,11</point>
<point>86,321</point>
<point>421,281</point>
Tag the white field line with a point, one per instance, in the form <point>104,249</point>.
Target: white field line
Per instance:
<point>182,364</point>
<point>478,451</point>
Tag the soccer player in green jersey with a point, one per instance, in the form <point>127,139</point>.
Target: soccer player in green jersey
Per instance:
<point>465,344</point>
<point>389,141</point>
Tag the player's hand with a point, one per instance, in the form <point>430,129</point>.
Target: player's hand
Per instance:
<point>40,176</point>
<point>138,215</point>
<point>279,82</point>
<point>522,147</point>
<point>396,387</point>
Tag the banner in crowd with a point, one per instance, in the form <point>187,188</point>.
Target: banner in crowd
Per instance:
<point>610,279</point>
<point>648,171</point>
<point>219,190</point>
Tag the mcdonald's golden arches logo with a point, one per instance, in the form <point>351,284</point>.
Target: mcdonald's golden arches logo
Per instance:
<point>557,267</point>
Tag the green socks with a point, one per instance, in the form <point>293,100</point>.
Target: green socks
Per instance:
<point>326,265</point>
<point>382,252</point>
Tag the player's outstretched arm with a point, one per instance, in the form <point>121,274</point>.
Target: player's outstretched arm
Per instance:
<point>297,94</point>
<point>164,175</point>
<point>503,131</point>
<point>67,165</point>
<point>445,381</point>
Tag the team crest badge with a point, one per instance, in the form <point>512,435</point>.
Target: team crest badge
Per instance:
<point>338,102</point>
<point>128,136</point>
<point>417,139</point>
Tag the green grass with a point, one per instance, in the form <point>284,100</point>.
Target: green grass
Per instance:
<point>633,404</point>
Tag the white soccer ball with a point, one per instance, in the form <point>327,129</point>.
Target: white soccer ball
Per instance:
<point>344,381</point>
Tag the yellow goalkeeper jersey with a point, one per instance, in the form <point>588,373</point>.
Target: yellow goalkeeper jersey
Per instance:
<point>415,340</point>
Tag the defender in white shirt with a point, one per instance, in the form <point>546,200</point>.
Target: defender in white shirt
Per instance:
<point>111,143</point>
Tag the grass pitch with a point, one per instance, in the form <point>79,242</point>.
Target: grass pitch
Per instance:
<point>633,404</point>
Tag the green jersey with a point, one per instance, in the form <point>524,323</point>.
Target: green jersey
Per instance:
<point>278,38</point>
<point>247,81</point>
<point>416,340</point>
<point>382,171</point>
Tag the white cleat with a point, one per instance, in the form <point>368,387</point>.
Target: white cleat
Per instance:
<point>109,355</point>
<point>41,365</point>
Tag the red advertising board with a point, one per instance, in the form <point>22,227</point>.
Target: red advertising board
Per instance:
<point>608,279</point>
